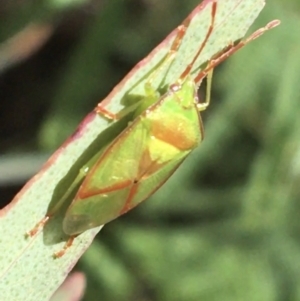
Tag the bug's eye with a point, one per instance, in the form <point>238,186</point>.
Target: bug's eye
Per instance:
<point>175,87</point>
<point>196,97</point>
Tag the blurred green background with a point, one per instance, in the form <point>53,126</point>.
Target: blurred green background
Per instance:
<point>226,226</point>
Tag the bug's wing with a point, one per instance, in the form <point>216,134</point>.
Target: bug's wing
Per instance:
<point>104,191</point>
<point>122,178</point>
<point>149,184</point>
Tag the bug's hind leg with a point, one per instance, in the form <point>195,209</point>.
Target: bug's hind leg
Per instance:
<point>67,246</point>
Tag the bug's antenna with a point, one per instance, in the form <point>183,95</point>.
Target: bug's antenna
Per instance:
<point>223,55</point>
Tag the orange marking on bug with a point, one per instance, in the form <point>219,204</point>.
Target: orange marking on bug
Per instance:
<point>147,167</point>
<point>174,133</point>
<point>94,191</point>
<point>128,204</point>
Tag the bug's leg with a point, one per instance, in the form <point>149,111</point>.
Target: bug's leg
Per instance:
<point>67,245</point>
<point>165,61</point>
<point>169,57</point>
<point>149,90</point>
<point>201,106</point>
<point>223,55</point>
<point>189,67</point>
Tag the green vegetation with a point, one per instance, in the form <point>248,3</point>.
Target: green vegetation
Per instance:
<point>226,225</point>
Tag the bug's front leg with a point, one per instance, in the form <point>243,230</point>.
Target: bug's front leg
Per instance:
<point>106,113</point>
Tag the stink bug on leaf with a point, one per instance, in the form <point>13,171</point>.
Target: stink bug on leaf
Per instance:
<point>162,132</point>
